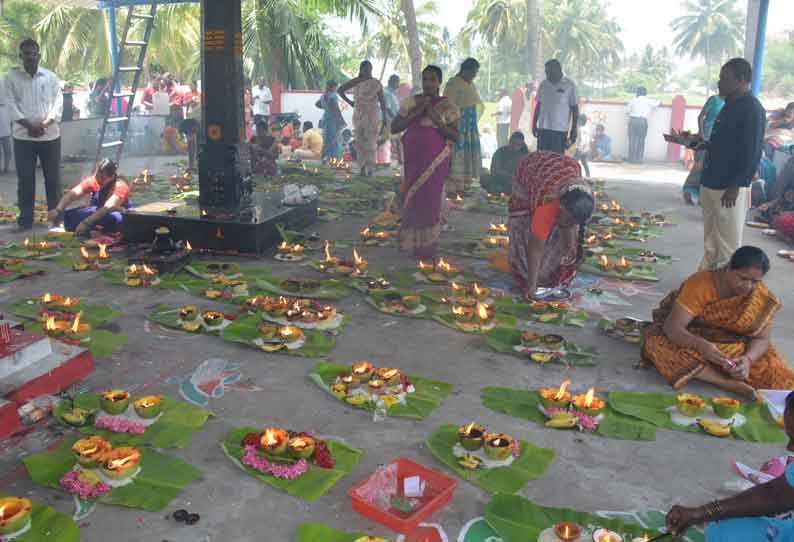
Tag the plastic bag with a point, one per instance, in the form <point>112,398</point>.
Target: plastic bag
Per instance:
<point>380,487</point>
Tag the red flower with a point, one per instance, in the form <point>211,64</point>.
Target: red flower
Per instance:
<point>230,317</point>
<point>322,457</point>
<point>251,439</point>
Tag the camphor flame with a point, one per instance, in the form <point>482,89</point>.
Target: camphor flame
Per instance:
<point>482,312</point>
<point>561,392</point>
<point>588,398</point>
<point>103,251</point>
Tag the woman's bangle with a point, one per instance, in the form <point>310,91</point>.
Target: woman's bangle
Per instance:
<point>712,511</point>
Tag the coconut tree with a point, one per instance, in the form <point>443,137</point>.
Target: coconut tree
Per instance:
<point>389,39</point>
<point>711,29</point>
<point>414,45</point>
<point>532,37</point>
<point>15,25</point>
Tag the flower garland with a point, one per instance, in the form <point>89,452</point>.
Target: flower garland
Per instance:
<point>287,472</point>
<point>73,483</point>
<point>585,421</point>
<point>118,424</point>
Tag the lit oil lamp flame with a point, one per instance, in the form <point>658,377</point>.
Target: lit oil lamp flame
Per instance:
<point>50,325</point>
<point>617,221</point>
<point>588,398</point>
<point>482,312</point>
<point>148,270</point>
<point>608,236</point>
<point>357,259</point>
<point>84,253</point>
<point>67,302</point>
<point>623,262</point>
<point>561,392</point>
<point>26,243</point>
<point>477,289</point>
<point>271,437</point>
<point>188,246</point>
<point>89,451</point>
<point>328,257</point>
<point>76,323</point>
<point>615,205</point>
<point>444,265</point>
<point>457,287</point>
<point>590,240</point>
<point>103,251</point>
<point>457,310</point>
<point>132,270</point>
<point>121,463</point>
<point>468,429</point>
<point>603,260</point>
<point>47,298</point>
<point>365,232</point>
<point>423,266</point>
<point>299,443</point>
<point>287,332</point>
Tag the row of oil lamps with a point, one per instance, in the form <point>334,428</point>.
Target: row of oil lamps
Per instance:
<point>560,397</point>
<point>55,327</point>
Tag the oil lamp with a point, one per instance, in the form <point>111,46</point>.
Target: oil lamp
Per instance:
<point>481,291</point>
<point>274,440</point>
<point>149,406</point>
<point>498,446</point>
<point>359,262</point>
<point>77,327</point>
<point>362,370</point>
<point>605,535</point>
<point>623,265</point>
<point>462,314</point>
<point>333,260</point>
<point>300,447</point>
<point>556,398</point>
<point>288,333</point>
<point>390,375</point>
<point>567,531</point>
<point>484,313</point>
<point>14,514</point>
<point>589,403</point>
<point>603,262</point>
<point>120,463</point>
<point>497,228</point>
<point>424,267</point>
<point>89,451</point>
<point>471,436</point>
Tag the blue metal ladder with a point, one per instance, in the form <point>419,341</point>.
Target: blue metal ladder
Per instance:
<point>134,53</point>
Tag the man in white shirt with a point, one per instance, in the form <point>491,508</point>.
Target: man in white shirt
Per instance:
<point>556,112</point>
<point>262,98</point>
<point>640,108</point>
<point>5,130</point>
<point>35,105</point>
<point>503,110</point>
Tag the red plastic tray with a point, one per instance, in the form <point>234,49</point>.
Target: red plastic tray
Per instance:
<point>438,488</point>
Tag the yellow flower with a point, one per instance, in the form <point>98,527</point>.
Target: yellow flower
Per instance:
<point>389,400</point>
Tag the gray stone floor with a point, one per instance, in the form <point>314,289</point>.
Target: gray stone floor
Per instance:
<point>588,473</point>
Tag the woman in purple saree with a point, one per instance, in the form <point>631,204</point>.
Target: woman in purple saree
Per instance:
<point>430,123</point>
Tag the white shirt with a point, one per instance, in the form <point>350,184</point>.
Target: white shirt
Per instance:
<point>503,109</point>
<point>642,107</point>
<point>37,99</point>
<point>556,101</point>
<point>584,139</point>
<point>261,97</point>
<point>5,119</point>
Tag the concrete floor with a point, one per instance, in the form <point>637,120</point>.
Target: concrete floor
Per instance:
<point>588,473</point>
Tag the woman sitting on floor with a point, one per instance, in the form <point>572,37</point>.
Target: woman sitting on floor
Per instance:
<point>109,200</point>
<point>715,328</point>
<point>548,210</point>
<point>265,149</point>
<point>750,515</point>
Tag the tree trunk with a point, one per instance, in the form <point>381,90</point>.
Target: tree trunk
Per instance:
<point>532,38</point>
<point>385,60</point>
<point>413,42</point>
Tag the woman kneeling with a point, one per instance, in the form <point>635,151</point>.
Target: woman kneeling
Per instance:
<point>109,200</point>
<point>716,328</point>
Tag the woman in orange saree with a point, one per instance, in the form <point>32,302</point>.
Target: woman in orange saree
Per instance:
<point>715,328</point>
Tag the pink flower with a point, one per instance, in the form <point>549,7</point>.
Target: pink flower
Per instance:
<point>72,483</point>
<point>288,472</point>
<point>117,424</point>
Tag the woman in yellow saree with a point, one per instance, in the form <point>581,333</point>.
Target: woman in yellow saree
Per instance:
<point>715,328</point>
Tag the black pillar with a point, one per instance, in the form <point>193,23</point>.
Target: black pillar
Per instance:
<point>224,166</point>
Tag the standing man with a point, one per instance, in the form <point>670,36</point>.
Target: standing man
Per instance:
<point>262,98</point>
<point>466,161</point>
<point>732,157</point>
<point>556,117</point>
<point>503,110</point>
<point>639,109</point>
<point>35,105</point>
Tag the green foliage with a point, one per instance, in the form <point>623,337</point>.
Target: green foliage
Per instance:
<point>16,24</point>
<point>711,29</point>
<point>778,75</point>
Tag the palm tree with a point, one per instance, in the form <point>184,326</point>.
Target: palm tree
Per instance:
<point>532,37</point>
<point>711,29</point>
<point>414,47</point>
<point>15,25</point>
<point>389,41</point>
